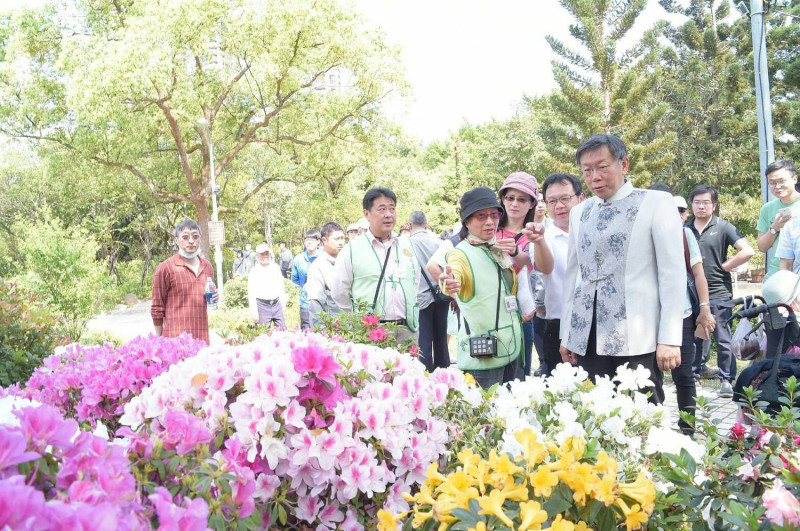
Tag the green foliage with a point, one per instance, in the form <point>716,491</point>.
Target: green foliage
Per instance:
<point>360,326</point>
<point>59,263</point>
<point>235,293</point>
<point>27,334</point>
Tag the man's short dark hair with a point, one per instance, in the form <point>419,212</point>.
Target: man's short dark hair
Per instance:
<point>661,187</point>
<point>614,144</point>
<point>418,219</point>
<point>562,178</point>
<point>779,165</point>
<point>704,189</point>
<point>187,224</point>
<point>329,228</point>
<point>313,233</point>
<point>374,193</point>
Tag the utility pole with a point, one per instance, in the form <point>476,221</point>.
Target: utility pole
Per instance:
<point>766,148</point>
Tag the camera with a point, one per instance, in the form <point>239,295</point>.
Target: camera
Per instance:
<point>483,347</point>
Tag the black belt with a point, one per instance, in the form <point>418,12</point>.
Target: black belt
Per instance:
<point>269,301</point>
<point>398,322</point>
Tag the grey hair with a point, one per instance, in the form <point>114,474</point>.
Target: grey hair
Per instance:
<point>614,144</point>
<point>418,219</point>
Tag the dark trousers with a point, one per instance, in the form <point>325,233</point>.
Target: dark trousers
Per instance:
<point>270,313</point>
<point>285,272</point>
<point>552,342</point>
<point>538,336</point>
<point>305,319</point>
<point>527,341</point>
<point>508,373</point>
<point>433,351</point>
<point>607,365</point>
<point>683,376</point>
<point>722,334</point>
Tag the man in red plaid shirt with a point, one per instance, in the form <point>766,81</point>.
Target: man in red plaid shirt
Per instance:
<point>179,285</point>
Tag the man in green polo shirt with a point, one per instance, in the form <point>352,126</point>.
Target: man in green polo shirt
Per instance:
<point>380,268</point>
<point>782,182</point>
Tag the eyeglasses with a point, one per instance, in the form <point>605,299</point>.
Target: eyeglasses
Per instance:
<point>778,182</point>
<point>484,215</point>
<point>517,198</point>
<point>682,210</point>
<point>702,203</point>
<point>189,237</point>
<point>565,200</point>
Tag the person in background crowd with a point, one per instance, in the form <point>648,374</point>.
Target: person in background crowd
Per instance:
<point>300,267</point>
<point>683,375</point>
<point>239,264</point>
<point>352,232</point>
<point>266,293</point>
<point>519,195</point>
<point>285,257</point>
<point>405,230</point>
<point>179,286</point>
<point>320,274</point>
<point>249,258</point>
<point>481,275</point>
<point>715,236</point>
<point>782,180</point>
<point>683,208</point>
<point>562,191</point>
<point>363,226</point>
<point>537,286</point>
<point>433,308</point>
<point>625,280</point>
<point>380,269</point>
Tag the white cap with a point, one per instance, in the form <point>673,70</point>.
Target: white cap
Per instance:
<point>783,286</point>
<point>263,248</point>
<point>680,202</point>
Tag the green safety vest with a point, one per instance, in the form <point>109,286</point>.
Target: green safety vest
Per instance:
<point>480,312</point>
<point>367,270</point>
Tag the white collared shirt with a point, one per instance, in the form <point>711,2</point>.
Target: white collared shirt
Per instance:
<point>557,240</point>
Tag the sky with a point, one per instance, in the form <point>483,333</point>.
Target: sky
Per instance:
<point>467,61</point>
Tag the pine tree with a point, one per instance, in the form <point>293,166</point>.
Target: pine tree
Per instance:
<point>607,90</point>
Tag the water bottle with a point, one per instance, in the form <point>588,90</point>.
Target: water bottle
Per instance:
<point>211,289</point>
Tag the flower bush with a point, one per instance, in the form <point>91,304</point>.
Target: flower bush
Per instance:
<point>303,428</point>
<point>571,486</point>
<point>54,476</point>
<point>747,478</point>
<point>93,384</point>
<point>360,326</point>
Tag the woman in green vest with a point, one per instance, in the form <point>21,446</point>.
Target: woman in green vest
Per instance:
<point>482,276</point>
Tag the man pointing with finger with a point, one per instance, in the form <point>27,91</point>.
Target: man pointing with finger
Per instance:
<point>625,281</point>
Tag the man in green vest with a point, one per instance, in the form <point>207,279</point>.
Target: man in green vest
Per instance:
<point>379,268</point>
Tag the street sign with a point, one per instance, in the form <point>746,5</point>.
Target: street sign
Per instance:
<point>216,232</point>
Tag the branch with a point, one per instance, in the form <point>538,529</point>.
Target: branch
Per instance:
<point>175,130</point>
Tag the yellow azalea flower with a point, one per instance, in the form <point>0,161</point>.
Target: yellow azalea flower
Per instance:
<point>468,458</point>
<point>502,465</point>
<point>457,482</point>
<point>469,380</point>
<point>493,505</point>
<point>606,464</point>
<point>604,490</point>
<point>515,492</point>
<point>543,480</point>
<point>582,526</point>
<point>480,526</point>
<point>642,491</point>
<point>387,522</point>
<point>423,497</point>
<point>420,517</point>
<point>532,450</point>
<point>635,518</point>
<point>432,476</point>
<point>574,446</point>
<point>559,524</point>
<point>531,516</point>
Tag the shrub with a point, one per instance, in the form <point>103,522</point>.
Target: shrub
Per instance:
<point>27,334</point>
<point>235,293</point>
<point>61,265</point>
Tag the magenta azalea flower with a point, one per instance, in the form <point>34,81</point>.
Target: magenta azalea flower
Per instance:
<point>378,334</point>
<point>45,426</point>
<point>370,320</point>
<point>171,517</point>
<point>183,431</point>
<point>21,506</point>
<point>12,448</point>
<point>317,360</point>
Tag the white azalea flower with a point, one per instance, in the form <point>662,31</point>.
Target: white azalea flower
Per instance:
<point>633,379</point>
<point>8,404</point>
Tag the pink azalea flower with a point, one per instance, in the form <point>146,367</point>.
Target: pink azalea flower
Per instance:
<point>21,506</point>
<point>783,508</point>
<point>738,431</point>
<point>370,320</point>
<point>266,485</point>
<point>308,508</point>
<point>171,517</point>
<point>330,516</point>
<point>378,334</point>
<point>12,448</point>
<point>183,431</point>
<point>316,360</point>
<point>45,426</point>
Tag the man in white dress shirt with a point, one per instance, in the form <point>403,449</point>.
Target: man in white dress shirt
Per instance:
<point>625,282</point>
<point>266,292</point>
<point>562,191</point>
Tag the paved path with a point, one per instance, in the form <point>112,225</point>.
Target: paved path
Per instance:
<point>722,409</point>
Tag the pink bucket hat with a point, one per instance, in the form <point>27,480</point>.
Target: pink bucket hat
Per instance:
<point>523,182</point>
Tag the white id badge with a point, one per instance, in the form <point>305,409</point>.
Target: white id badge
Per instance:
<point>511,304</point>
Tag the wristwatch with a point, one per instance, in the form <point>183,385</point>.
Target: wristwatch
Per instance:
<point>773,231</point>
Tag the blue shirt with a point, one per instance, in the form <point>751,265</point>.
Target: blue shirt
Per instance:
<point>300,267</point>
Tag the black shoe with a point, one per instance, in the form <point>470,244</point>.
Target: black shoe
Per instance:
<point>710,374</point>
<point>541,371</point>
